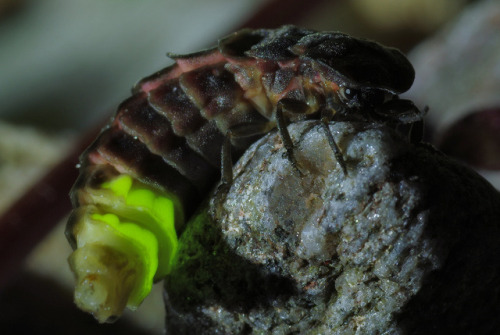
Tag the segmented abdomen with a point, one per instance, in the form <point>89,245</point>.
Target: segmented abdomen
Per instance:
<point>169,134</point>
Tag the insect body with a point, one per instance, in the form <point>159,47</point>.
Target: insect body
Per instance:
<point>161,154</point>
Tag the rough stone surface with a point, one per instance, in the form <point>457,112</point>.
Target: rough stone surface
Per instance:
<point>407,243</point>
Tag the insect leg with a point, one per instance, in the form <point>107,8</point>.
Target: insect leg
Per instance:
<point>416,133</point>
<point>237,132</point>
<point>226,162</point>
<point>326,116</point>
<point>285,135</point>
<point>333,145</point>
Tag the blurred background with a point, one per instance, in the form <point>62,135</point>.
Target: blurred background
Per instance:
<point>66,64</point>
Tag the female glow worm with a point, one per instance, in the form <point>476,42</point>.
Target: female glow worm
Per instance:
<point>164,150</point>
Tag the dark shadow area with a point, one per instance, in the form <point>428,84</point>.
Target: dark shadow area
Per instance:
<point>32,304</point>
<point>462,296</point>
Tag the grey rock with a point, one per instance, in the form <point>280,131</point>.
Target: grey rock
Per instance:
<point>407,243</point>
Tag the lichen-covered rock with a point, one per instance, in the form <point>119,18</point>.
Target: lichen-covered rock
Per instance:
<point>406,243</point>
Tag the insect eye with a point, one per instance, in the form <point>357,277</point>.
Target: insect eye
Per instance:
<point>348,94</point>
